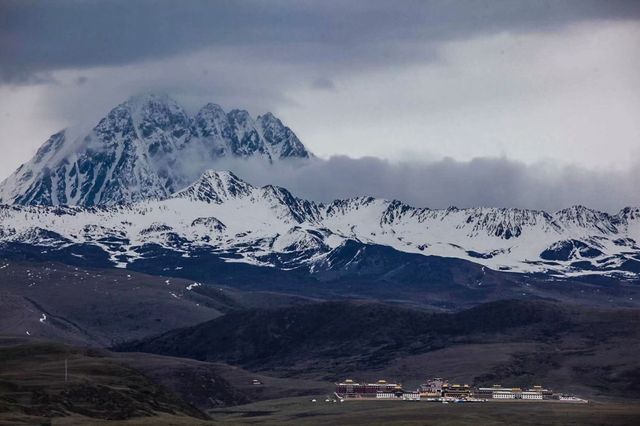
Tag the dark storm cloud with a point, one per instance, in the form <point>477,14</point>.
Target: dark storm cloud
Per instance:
<point>490,182</point>
<point>544,79</point>
<point>37,37</point>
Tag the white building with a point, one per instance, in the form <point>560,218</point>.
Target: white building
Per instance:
<point>503,394</point>
<point>531,395</point>
<point>385,395</point>
<point>411,396</point>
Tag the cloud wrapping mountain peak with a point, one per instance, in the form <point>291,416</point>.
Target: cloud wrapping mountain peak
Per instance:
<point>146,147</point>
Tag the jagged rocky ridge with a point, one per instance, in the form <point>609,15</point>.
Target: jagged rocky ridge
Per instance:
<point>221,214</point>
<point>147,147</point>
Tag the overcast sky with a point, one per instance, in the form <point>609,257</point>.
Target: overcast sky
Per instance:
<point>545,94</point>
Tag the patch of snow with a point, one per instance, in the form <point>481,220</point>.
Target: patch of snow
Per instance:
<point>192,286</point>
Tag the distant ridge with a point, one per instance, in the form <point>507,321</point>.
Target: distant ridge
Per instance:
<point>221,215</point>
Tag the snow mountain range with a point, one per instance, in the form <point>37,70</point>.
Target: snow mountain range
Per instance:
<point>139,187</point>
<point>224,216</point>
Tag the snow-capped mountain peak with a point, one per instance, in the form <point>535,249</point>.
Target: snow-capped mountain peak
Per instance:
<point>211,120</point>
<point>282,141</point>
<point>583,217</point>
<point>146,147</point>
<point>159,120</point>
<point>216,187</point>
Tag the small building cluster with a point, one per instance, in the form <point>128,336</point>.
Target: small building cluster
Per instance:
<point>379,390</point>
<point>499,392</point>
<point>439,389</point>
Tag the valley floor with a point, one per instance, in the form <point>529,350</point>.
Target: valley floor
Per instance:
<point>301,411</point>
<point>145,389</point>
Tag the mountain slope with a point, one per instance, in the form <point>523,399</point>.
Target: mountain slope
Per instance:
<point>118,386</point>
<point>146,147</point>
<point>264,339</point>
<point>99,307</point>
<point>99,387</point>
<point>225,219</point>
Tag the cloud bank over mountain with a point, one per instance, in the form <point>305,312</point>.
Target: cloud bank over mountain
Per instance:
<point>149,146</point>
<point>492,182</point>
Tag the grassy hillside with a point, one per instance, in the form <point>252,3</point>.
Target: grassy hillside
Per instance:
<point>32,384</point>
<point>575,349</point>
<point>102,307</point>
<point>102,385</point>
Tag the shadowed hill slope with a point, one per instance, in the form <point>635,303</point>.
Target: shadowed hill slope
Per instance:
<point>145,388</point>
<point>526,341</point>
